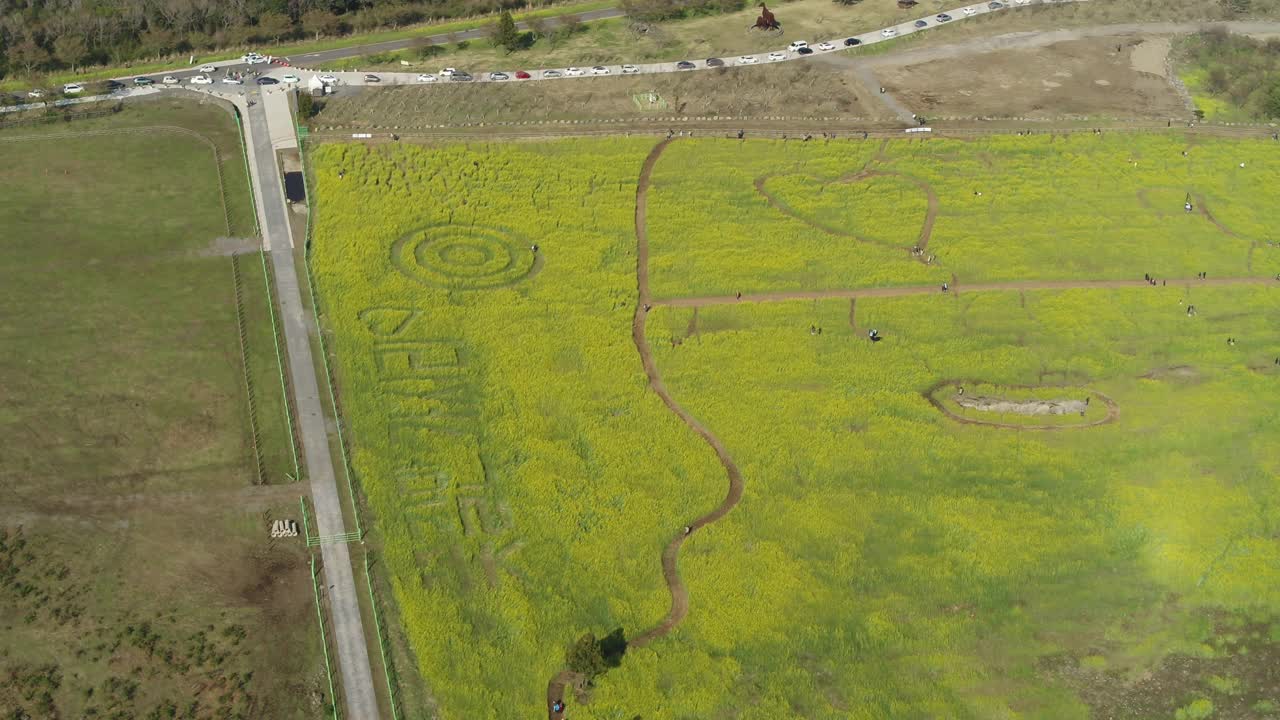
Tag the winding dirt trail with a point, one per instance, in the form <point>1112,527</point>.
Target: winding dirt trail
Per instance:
<point>670,555</point>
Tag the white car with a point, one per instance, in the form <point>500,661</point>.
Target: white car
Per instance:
<point>797,44</point>
<point>426,77</point>
<point>72,89</point>
<point>969,11</point>
<point>328,79</point>
<point>825,46</point>
<point>170,80</point>
<point>777,56</point>
<point>232,81</point>
<point>599,70</point>
<point>208,68</point>
<point>1023,2</point>
<point>889,32</point>
<point>252,58</point>
<point>630,69</point>
<point>746,60</point>
<point>201,80</point>
<point>448,72</point>
<point>574,72</point>
<point>293,78</point>
<point>35,93</point>
<point>552,74</point>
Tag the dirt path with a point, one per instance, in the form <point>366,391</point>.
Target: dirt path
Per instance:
<point>926,229</point>
<point>670,556</point>
<point>955,288</point>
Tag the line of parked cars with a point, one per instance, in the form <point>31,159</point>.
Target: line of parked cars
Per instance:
<point>797,47</point>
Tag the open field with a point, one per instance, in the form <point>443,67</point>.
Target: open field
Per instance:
<point>136,575</point>
<point>890,557</point>
<point>888,561</point>
<point>1081,77</point>
<point>495,406</point>
<point>813,216</point>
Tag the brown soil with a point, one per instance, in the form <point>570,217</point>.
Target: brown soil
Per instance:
<point>1076,77</point>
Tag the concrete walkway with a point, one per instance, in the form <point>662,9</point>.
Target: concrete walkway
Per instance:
<point>348,629</point>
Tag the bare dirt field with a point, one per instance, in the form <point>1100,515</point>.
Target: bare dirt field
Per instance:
<point>793,89</point>
<point>1078,77</point>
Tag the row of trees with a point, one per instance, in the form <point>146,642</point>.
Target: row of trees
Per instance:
<point>45,35</point>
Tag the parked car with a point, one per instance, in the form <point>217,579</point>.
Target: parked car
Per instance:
<point>826,46</point>
<point>685,65</point>
<point>796,45</point>
<point>574,72</point>
<point>268,81</point>
<point>921,23</point>
<point>291,78</point>
<point>522,75</point>
<point>252,58</point>
<point>969,11</point>
<point>35,93</point>
<point>552,74</point>
<point>115,86</point>
<point>170,80</point>
<point>144,81</point>
<point>328,79</point>
<point>852,42</point>
<point>995,5</point>
<point>72,89</point>
<point>715,62</point>
<point>746,60</point>
<point>499,76</point>
<point>806,50</point>
<point>943,18</point>
<point>426,77</point>
<point>889,32</point>
<point>775,56</point>
<point>201,80</point>
<point>630,69</point>
<point>228,80</point>
<point>448,72</point>
<point>371,78</point>
<point>462,77</point>
<point>599,70</point>
<point>208,68</point>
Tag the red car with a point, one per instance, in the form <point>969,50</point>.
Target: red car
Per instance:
<point>522,75</point>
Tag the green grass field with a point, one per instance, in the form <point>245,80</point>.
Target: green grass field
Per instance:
<point>136,574</point>
<point>886,560</point>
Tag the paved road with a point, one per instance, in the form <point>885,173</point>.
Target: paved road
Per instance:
<point>348,629</point>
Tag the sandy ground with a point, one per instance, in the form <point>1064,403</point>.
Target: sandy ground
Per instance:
<point>1086,76</point>
<point>792,89</point>
<point>1030,407</point>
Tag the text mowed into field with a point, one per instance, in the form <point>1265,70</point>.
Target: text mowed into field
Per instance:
<point>136,576</point>
<point>1016,501</point>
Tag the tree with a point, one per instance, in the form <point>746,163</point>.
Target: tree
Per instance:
<point>585,657</point>
<point>71,50</point>
<point>272,26</point>
<point>320,23</point>
<point>1271,104</point>
<point>504,33</point>
<point>29,55</point>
